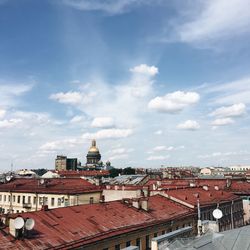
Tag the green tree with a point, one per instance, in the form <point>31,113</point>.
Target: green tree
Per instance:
<point>128,171</point>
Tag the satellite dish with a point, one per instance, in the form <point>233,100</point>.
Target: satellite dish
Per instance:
<point>29,224</point>
<point>42,181</point>
<point>217,213</point>
<point>18,223</point>
<point>8,178</point>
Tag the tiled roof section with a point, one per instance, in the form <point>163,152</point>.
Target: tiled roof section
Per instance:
<point>72,173</point>
<point>206,197</point>
<point>78,225</point>
<point>124,187</point>
<point>240,187</point>
<point>172,183</point>
<point>53,186</point>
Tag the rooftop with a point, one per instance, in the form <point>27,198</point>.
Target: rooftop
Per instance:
<point>83,224</point>
<point>206,197</point>
<point>52,186</point>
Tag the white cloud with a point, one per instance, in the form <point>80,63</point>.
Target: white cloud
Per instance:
<point>163,148</point>
<point>2,113</point>
<point>230,111</point>
<point>109,6</point>
<point>103,122</point>
<point>157,157</point>
<point>189,125</point>
<point>73,97</point>
<point>145,69</point>
<point>10,92</point>
<point>58,145</point>
<point>215,20</point>
<point>77,119</point>
<point>225,154</point>
<point>173,102</point>
<point>158,132</point>
<point>9,123</point>
<point>222,121</point>
<point>109,134</point>
<point>118,157</point>
<point>237,91</point>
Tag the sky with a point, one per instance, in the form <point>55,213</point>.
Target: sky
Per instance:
<point>155,82</point>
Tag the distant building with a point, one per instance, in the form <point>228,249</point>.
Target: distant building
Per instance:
<point>93,156</point>
<point>64,163</point>
<point>22,195</point>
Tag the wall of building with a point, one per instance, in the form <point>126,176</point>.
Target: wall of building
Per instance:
<point>112,194</point>
<point>142,236</point>
<point>23,202</point>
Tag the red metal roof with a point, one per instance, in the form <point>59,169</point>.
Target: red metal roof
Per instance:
<point>79,225</point>
<point>72,173</point>
<point>52,185</point>
<point>206,197</point>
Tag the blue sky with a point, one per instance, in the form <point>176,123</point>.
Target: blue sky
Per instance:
<point>154,82</point>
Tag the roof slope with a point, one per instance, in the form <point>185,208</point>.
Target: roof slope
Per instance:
<point>88,223</point>
<point>53,185</point>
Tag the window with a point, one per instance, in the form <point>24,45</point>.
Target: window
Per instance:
<point>59,202</point>
<point>18,199</point>
<point>9,198</point>
<point>127,243</point>
<point>0,197</point>
<point>17,211</point>
<point>23,199</point>
<point>91,200</point>
<point>4,198</point>
<point>14,198</point>
<point>138,243</point>
<point>40,200</point>
<point>163,232</point>
<point>117,247</point>
<point>34,200</point>
<point>29,199</point>
<point>52,201</point>
<point>155,234</point>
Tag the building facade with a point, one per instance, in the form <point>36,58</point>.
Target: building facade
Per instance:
<point>25,195</point>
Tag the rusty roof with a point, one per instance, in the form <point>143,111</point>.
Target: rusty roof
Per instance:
<point>206,197</point>
<point>52,185</point>
<point>73,173</point>
<point>68,227</point>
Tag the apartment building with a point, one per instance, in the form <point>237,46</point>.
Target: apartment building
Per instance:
<point>107,225</point>
<point>23,195</point>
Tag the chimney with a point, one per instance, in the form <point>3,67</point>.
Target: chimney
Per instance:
<point>102,199</point>
<point>45,208</point>
<point>144,204</point>
<point>229,182</point>
<point>136,203</point>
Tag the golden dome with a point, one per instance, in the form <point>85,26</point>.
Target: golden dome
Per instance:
<point>93,148</point>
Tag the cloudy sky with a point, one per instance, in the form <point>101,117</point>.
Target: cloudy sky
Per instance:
<point>155,82</point>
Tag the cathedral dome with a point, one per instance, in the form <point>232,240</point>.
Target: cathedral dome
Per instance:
<point>93,148</point>
<point>93,156</point>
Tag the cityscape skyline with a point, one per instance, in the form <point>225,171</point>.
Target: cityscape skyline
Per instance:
<point>154,82</point>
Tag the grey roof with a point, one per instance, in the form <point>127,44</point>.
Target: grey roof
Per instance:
<point>127,179</point>
<point>236,239</point>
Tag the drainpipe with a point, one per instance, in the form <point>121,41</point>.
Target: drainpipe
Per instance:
<point>199,217</point>
<point>232,216</point>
